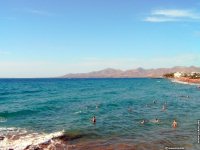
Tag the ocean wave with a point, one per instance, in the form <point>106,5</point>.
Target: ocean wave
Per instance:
<point>11,92</point>
<point>30,91</point>
<point>4,131</point>
<point>20,139</point>
<point>6,93</point>
<point>27,111</point>
<point>17,113</point>
<point>78,112</point>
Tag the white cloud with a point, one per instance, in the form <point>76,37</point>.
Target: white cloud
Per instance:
<point>39,12</point>
<point>169,15</point>
<point>159,19</point>
<point>176,13</point>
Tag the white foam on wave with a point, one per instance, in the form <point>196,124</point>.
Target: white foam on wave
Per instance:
<point>78,112</point>
<point>19,139</point>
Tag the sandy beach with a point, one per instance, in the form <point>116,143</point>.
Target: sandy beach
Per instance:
<point>184,80</point>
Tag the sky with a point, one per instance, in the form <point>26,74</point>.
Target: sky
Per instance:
<point>50,38</point>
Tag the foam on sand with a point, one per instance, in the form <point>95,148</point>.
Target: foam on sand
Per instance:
<point>20,139</point>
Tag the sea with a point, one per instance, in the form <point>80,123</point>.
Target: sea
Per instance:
<point>32,110</point>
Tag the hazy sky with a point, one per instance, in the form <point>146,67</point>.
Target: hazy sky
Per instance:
<point>46,38</point>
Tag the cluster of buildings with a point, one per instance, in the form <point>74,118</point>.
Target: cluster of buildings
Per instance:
<point>194,75</point>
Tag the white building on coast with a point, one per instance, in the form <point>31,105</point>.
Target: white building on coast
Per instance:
<point>178,74</point>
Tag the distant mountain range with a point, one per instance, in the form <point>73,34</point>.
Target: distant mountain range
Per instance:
<point>133,73</point>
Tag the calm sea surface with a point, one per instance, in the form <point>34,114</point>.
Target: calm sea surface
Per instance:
<point>49,105</point>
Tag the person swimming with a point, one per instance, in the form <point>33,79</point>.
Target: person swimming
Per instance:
<point>130,109</point>
<point>155,121</point>
<point>93,119</point>
<point>164,107</point>
<point>97,106</point>
<point>174,124</point>
<point>143,121</point>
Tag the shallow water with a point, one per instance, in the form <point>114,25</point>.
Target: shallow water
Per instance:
<point>51,105</point>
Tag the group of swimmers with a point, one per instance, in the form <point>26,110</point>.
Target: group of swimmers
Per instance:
<point>174,124</point>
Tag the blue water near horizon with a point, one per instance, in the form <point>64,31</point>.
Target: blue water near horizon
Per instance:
<point>48,105</point>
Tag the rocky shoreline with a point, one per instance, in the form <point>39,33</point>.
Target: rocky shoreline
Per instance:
<point>35,141</point>
<point>56,143</point>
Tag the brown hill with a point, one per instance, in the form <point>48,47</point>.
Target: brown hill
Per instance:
<point>133,73</point>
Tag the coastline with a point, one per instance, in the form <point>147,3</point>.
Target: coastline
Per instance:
<point>184,80</point>
<point>21,139</point>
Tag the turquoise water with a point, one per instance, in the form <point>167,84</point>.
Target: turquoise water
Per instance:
<point>48,105</point>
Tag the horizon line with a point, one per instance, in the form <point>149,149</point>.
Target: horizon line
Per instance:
<point>61,76</point>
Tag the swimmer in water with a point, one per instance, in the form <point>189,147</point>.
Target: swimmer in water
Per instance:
<point>93,119</point>
<point>143,121</point>
<point>154,101</point>
<point>155,121</point>
<point>174,124</point>
<point>164,107</point>
<point>97,106</point>
<point>130,109</point>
